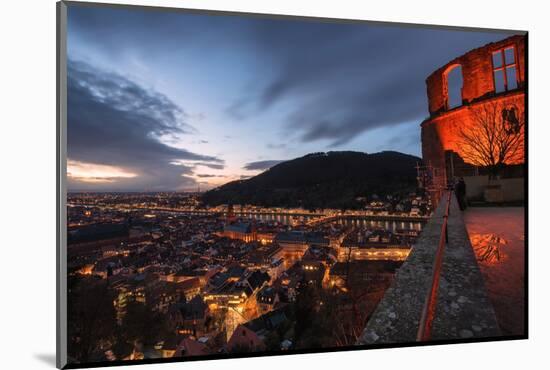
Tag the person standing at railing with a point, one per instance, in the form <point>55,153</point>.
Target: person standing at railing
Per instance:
<point>460,191</point>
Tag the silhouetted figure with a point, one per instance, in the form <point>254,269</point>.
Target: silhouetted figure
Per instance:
<point>460,191</point>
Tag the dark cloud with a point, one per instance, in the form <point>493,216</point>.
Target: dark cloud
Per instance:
<point>261,165</point>
<point>346,79</point>
<point>114,121</point>
<point>112,31</point>
<point>215,166</point>
<point>205,175</point>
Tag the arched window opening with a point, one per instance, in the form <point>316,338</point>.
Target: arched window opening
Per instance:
<point>453,86</point>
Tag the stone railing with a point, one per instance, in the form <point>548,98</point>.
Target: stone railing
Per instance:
<point>462,308</point>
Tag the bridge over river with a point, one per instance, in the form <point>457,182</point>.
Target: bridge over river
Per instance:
<point>387,221</point>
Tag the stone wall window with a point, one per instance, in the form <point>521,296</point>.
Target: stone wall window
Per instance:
<point>505,69</point>
<point>453,86</point>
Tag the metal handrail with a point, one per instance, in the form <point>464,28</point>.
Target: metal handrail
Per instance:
<point>428,311</point>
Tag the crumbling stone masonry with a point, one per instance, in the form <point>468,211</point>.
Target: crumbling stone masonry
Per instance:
<point>494,73</point>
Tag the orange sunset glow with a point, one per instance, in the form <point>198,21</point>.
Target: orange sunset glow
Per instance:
<point>96,173</point>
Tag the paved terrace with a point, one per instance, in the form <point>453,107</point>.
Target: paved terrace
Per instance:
<point>463,308</point>
<point>503,228</point>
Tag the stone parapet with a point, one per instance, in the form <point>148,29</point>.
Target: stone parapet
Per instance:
<point>463,308</point>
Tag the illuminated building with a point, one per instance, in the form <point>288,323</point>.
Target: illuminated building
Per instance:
<point>372,246</point>
<point>126,293</point>
<point>276,268</point>
<point>373,252</point>
<point>240,230</point>
<point>190,288</point>
<point>267,298</point>
<point>314,271</point>
<point>230,217</point>
<point>492,75</point>
<point>231,293</point>
<point>190,317</point>
<point>185,274</point>
<point>265,237</point>
<point>294,244</point>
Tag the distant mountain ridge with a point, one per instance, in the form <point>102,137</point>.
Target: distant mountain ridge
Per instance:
<point>319,180</point>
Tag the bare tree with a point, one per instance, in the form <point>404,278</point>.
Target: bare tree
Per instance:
<point>495,137</point>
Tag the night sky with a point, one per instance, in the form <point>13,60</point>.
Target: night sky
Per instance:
<point>161,100</point>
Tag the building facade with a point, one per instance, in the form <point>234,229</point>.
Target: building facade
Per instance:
<point>487,79</point>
